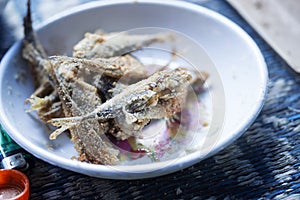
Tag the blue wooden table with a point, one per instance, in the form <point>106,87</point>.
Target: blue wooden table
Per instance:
<point>262,164</point>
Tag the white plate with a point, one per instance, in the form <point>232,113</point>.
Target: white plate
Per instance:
<point>2,4</point>
<point>238,70</point>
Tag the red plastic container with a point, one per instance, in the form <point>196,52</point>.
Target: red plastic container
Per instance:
<point>14,185</point>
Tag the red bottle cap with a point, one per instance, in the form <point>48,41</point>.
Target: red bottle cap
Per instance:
<point>13,185</point>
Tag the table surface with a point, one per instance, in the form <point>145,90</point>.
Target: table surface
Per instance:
<point>262,164</point>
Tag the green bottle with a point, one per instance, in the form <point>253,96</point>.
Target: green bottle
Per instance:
<point>12,156</point>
